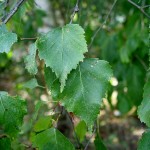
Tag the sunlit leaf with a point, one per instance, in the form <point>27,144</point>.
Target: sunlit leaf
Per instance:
<point>62,49</point>
<point>85,88</point>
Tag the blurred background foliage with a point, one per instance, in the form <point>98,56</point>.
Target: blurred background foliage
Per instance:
<point>123,42</point>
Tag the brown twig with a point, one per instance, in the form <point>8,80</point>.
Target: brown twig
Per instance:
<point>6,18</point>
<point>101,26</point>
<point>76,9</point>
<point>141,8</point>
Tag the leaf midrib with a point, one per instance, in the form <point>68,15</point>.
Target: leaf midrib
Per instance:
<point>82,88</point>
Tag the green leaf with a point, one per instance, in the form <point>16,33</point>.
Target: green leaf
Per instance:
<point>144,143</point>
<point>52,82</point>
<point>144,108</point>
<point>37,108</point>
<point>30,60</point>
<point>124,55</point>
<point>7,39</point>
<point>85,88</point>
<point>135,75</point>
<point>124,103</point>
<point>62,49</point>
<point>43,123</point>
<point>52,139</point>
<point>128,48</point>
<point>4,60</point>
<point>31,84</point>
<point>5,143</point>
<point>81,130</point>
<point>99,144</point>
<point>12,111</point>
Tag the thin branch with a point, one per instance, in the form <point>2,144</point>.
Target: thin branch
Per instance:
<point>146,6</point>
<point>34,38</point>
<point>6,18</point>
<point>90,139</point>
<point>76,10</point>
<point>101,26</point>
<point>141,8</point>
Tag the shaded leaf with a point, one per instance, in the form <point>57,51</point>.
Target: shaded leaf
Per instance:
<point>43,123</point>
<point>7,39</point>
<point>144,108</point>
<point>30,60</point>
<point>12,111</point>
<point>99,144</point>
<point>81,130</point>
<point>62,49</point>
<point>52,139</point>
<point>52,82</point>
<point>5,143</point>
<point>144,143</point>
<point>124,103</point>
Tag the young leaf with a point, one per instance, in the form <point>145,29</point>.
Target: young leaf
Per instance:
<point>144,143</point>
<point>52,139</point>
<point>62,49</point>
<point>7,39</point>
<point>81,130</point>
<point>30,61</point>
<point>144,108</point>
<point>12,111</point>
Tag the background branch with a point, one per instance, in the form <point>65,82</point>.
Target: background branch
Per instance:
<point>101,26</point>
<point>141,8</point>
<point>6,18</point>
